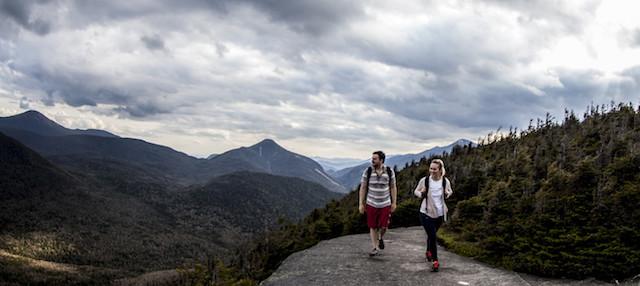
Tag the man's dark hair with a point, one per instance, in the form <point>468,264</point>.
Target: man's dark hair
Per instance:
<point>380,155</point>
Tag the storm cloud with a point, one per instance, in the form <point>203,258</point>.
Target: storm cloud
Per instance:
<point>21,12</point>
<point>341,74</point>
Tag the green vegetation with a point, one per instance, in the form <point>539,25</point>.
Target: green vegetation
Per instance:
<point>557,199</point>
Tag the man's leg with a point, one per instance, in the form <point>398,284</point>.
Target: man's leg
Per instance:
<point>372,214</point>
<point>385,218</point>
<point>373,232</point>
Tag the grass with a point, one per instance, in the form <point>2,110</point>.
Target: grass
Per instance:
<point>453,242</point>
<point>20,270</point>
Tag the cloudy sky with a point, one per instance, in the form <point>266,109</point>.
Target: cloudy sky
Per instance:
<point>323,78</point>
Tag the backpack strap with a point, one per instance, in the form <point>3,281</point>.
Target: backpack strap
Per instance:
<point>426,185</point>
<point>366,188</point>
<point>389,173</point>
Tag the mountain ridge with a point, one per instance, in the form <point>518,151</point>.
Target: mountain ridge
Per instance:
<point>269,157</point>
<point>53,140</point>
<point>350,177</point>
<point>37,122</point>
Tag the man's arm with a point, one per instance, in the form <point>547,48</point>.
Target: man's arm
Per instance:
<point>362,199</point>
<point>394,196</point>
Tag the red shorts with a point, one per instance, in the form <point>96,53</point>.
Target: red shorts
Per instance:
<point>378,217</point>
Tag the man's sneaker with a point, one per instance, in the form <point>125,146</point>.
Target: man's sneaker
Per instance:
<point>381,244</point>
<point>428,256</point>
<point>373,252</point>
<point>436,266</point>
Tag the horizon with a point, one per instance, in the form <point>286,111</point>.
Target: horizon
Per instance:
<point>323,79</point>
<point>224,151</point>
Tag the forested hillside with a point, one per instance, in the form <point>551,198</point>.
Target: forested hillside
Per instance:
<point>114,220</point>
<point>558,199</point>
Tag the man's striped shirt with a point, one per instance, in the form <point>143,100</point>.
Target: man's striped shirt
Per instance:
<point>378,193</point>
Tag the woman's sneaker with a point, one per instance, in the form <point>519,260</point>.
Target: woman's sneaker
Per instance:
<point>428,256</point>
<point>436,266</point>
<point>381,244</point>
<point>373,252</point>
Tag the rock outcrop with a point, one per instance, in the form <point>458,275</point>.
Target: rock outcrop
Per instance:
<point>345,261</point>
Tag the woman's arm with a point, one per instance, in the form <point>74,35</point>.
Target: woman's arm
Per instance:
<point>420,188</point>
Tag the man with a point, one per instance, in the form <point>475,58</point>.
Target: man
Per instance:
<point>378,198</point>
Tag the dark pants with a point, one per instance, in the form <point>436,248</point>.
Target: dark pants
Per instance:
<point>431,226</point>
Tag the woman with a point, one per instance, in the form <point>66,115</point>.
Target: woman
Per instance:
<point>433,210</point>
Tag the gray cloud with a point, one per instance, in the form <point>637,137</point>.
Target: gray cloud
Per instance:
<point>75,89</point>
<point>142,109</point>
<point>24,103</point>
<point>86,89</point>
<point>308,69</point>
<point>221,50</point>
<point>305,16</point>
<point>20,12</point>
<point>309,16</point>
<point>153,42</point>
<point>629,85</point>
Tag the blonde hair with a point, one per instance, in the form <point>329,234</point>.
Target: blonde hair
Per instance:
<point>441,164</point>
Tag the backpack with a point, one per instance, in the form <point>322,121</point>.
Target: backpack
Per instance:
<point>426,185</point>
<point>370,170</point>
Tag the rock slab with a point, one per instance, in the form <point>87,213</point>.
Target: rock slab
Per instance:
<point>345,261</point>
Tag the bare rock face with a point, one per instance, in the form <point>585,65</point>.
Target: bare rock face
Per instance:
<point>345,261</point>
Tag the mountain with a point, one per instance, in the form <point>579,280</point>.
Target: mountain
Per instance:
<point>51,214</point>
<point>121,220</point>
<point>335,164</point>
<point>73,147</point>
<point>402,160</point>
<point>350,177</point>
<point>269,157</point>
<point>161,160</point>
<point>24,173</point>
<point>254,201</point>
<point>36,122</point>
<point>81,149</point>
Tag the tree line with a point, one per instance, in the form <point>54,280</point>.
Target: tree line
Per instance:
<point>558,199</point>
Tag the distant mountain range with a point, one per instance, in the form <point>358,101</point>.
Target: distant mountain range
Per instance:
<point>98,199</point>
<point>68,147</point>
<point>350,177</point>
